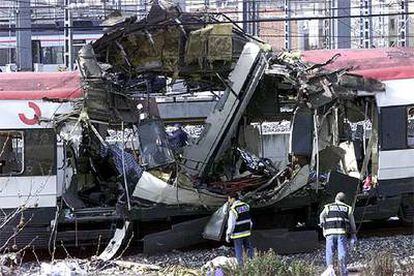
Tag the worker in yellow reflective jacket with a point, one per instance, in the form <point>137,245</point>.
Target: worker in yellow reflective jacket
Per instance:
<point>337,221</point>
<point>239,226</point>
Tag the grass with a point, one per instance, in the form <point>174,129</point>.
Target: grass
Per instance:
<point>384,264</point>
<point>269,264</point>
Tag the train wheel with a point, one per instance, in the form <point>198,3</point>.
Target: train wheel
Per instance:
<point>406,213</point>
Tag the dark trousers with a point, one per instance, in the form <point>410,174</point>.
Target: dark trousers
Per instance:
<point>240,245</point>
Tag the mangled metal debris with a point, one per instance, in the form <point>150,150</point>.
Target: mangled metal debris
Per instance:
<point>145,176</point>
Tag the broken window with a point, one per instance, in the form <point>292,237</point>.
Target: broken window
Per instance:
<point>410,127</point>
<point>11,152</point>
<point>154,146</point>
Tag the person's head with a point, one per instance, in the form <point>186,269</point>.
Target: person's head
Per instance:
<point>340,197</point>
<point>232,197</point>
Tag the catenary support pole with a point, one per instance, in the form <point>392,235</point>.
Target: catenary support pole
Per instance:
<point>23,37</point>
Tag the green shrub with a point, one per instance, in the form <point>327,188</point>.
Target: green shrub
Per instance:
<point>381,264</point>
<point>269,264</point>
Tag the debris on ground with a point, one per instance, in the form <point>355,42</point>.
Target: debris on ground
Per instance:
<point>371,254</point>
<point>215,266</point>
<point>66,267</point>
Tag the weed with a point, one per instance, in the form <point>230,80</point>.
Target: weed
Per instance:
<point>269,264</point>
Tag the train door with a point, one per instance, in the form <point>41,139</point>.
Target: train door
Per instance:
<point>27,168</point>
<point>396,142</point>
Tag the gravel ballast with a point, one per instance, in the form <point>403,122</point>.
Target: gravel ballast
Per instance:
<point>400,246</point>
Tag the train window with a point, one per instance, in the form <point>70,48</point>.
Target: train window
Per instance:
<point>7,55</point>
<point>40,152</point>
<point>410,127</point>
<point>393,131</point>
<point>52,55</point>
<point>11,152</point>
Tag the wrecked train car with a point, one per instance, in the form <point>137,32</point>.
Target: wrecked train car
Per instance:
<point>383,141</point>
<point>112,168</point>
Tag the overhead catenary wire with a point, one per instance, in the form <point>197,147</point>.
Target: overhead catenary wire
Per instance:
<point>202,23</point>
<point>263,11</point>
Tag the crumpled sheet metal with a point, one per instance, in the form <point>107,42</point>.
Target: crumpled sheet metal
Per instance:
<point>349,164</point>
<point>196,45</point>
<point>171,42</point>
<point>115,243</point>
<point>153,189</point>
<point>329,157</point>
<point>87,63</point>
<point>220,43</point>
<point>298,182</point>
<point>314,85</point>
<point>162,50</point>
<point>268,197</point>
<point>213,42</point>
<point>215,227</point>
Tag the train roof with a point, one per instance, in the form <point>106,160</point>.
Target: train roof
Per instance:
<point>40,85</point>
<point>56,28</point>
<point>381,64</point>
<point>378,63</point>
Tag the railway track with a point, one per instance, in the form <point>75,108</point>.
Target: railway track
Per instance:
<point>384,228</point>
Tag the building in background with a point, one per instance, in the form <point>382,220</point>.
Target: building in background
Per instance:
<point>284,24</point>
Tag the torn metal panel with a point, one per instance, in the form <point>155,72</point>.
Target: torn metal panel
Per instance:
<point>349,162</point>
<point>214,140</point>
<point>220,43</point>
<point>115,243</point>
<point>154,145</point>
<point>88,65</point>
<point>153,189</point>
<point>249,138</point>
<point>181,235</point>
<point>162,11</point>
<point>186,111</point>
<point>214,229</point>
<point>197,45</point>
<point>299,180</point>
<point>173,43</point>
<point>211,43</point>
<point>354,111</point>
<point>104,100</point>
<point>302,132</point>
<point>339,182</point>
<point>328,129</point>
<point>362,84</point>
<point>330,157</point>
<point>72,200</point>
<point>319,97</point>
<point>273,191</point>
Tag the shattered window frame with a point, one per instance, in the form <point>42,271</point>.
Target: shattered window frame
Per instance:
<point>17,145</point>
<point>410,127</point>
